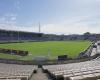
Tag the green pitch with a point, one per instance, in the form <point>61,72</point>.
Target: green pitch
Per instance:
<point>48,48</point>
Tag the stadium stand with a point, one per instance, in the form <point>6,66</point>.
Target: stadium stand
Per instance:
<point>88,70</point>
<point>16,72</point>
<point>92,50</point>
<point>11,36</point>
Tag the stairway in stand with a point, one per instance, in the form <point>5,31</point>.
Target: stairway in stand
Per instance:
<point>39,75</point>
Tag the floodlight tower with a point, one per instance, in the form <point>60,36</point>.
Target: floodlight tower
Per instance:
<point>18,36</point>
<point>11,39</point>
<point>39,27</point>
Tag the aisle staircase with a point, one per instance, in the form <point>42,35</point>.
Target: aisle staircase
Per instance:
<point>39,75</point>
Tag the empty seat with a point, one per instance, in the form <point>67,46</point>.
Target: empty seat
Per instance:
<point>14,71</point>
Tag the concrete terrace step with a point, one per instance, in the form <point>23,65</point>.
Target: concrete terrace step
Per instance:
<point>39,75</point>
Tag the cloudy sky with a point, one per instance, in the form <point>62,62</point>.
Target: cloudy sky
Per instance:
<point>55,16</point>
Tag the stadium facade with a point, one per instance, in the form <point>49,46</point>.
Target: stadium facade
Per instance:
<point>8,35</point>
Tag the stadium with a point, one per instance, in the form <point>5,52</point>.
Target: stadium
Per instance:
<point>54,58</point>
<point>65,45</point>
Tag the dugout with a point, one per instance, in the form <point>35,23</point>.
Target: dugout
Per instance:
<point>62,57</point>
<point>14,52</point>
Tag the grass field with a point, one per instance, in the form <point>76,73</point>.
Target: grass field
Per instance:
<point>48,48</point>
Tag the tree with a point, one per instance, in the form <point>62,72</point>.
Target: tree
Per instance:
<point>87,35</point>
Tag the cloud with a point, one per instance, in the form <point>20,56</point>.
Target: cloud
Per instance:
<point>18,28</point>
<point>9,22</point>
<point>8,19</point>
<point>74,25</point>
<point>75,28</point>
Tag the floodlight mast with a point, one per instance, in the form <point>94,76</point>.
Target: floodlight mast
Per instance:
<point>18,36</point>
<point>39,27</point>
<point>11,35</point>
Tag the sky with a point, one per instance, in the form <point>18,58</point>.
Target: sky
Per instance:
<point>54,16</point>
